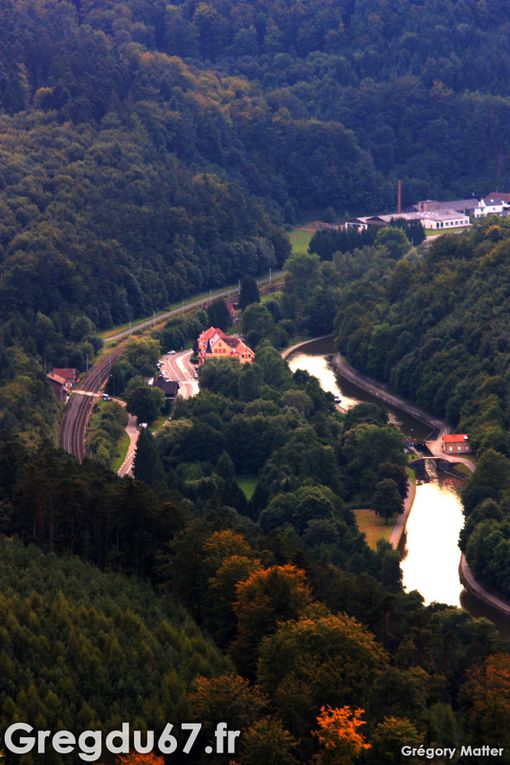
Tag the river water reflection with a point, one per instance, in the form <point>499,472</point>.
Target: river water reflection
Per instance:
<point>431,556</point>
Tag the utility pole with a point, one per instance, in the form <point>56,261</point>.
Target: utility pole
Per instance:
<point>270,276</point>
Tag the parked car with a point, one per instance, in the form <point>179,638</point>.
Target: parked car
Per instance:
<point>106,397</point>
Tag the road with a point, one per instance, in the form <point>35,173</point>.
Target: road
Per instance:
<point>469,581</point>
<point>178,367</point>
<point>264,286</point>
<point>378,390</point>
<point>132,430</point>
<point>73,428</point>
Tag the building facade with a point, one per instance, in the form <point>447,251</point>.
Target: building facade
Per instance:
<point>215,344</point>
<point>456,443</point>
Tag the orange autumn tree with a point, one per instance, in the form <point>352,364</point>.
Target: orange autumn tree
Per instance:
<point>141,759</point>
<point>266,597</point>
<point>339,738</point>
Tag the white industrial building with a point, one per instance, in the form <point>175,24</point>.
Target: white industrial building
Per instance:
<point>430,220</point>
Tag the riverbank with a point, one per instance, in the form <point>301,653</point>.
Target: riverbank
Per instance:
<point>475,588</point>
<point>399,528</point>
<point>301,345</point>
<point>438,427</point>
<point>397,532</point>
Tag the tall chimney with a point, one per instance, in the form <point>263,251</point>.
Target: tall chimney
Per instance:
<point>399,197</point>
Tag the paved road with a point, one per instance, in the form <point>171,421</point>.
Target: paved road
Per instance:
<point>264,286</point>
<point>132,430</point>
<point>73,428</point>
<point>376,389</point>
<point>178,367</point>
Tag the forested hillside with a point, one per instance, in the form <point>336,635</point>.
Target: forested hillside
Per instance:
<point>150,150</point>
<point>81,647</point>
<point>434,326</point>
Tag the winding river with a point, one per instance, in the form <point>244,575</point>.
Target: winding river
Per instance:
<point>430,562</point>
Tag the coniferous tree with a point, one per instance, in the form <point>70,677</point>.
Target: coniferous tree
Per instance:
<point>249,292</point>
<point>147,465</point>
<point>218,315</point>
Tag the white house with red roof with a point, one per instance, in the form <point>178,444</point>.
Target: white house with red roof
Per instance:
<point>215,344</point>
<point>456,443</point>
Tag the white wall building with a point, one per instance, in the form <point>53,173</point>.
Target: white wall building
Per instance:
<point>444,219</point>
<point>431,220</point>
<point>493,205</point>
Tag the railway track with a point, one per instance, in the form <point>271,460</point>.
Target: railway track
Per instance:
<point>73,430</point>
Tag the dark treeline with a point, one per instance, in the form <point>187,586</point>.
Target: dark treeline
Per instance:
<point>328,241</point>
<point>84,649</point>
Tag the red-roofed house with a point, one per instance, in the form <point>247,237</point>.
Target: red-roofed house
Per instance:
<point>456,443</point>
<point>69,375</point>
<point>215,344</point>
<point>58,385</point>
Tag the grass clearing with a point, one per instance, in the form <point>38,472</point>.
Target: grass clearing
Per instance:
<point>247,485</point>
<point>410,473</point>
<point>300,239</point>
<point>373,526</point>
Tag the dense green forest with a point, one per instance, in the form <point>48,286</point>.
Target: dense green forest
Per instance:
<point>131,131</point>
<point>434,326</point>
<point>81,647</point>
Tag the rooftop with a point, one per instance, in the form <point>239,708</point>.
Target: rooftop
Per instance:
<point>455,438</point>
<point>56,378</point>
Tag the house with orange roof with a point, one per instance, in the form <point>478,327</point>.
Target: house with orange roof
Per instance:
<point>215,344</point>
<point>58,385</point>
<point>456,443</point>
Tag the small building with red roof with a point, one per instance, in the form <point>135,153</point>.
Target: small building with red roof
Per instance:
<point>456,443</point>
<point>70,375</point>
<point>62,380</point>
<point>58,385</point>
